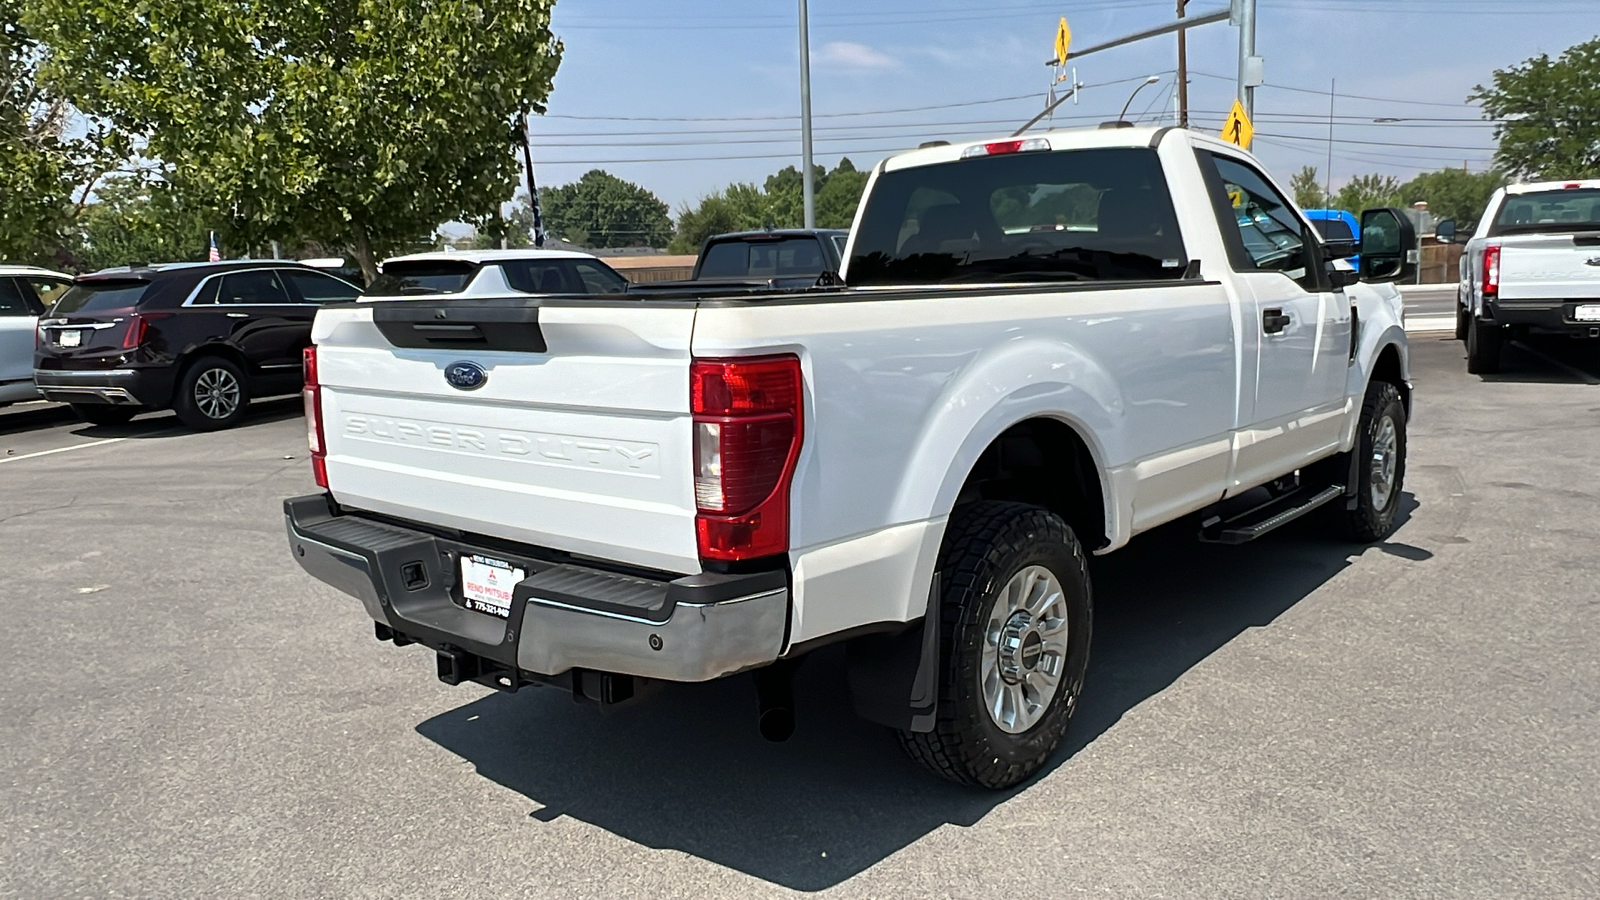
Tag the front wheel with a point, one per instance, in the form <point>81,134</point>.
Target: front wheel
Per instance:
<point>1380,465</point>
<point>1015,620</point>
<point>212,394</point>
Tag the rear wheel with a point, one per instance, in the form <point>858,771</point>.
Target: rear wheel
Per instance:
<point>1014,644</point>
<point>1463,321</point>
<point>102,414</point>
<point>1483,346</point>
<point>212,394</point>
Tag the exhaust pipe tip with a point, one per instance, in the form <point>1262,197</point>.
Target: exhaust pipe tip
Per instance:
<point>777,724</point>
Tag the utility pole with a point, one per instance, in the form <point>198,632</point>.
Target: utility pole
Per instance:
<point>1183,70</point>
<point>1249,63</point>
<point>1328,177</point>
<point>808,190</point>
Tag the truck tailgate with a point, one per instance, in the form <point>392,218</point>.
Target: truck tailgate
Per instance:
<point>578,439</point>
<point>1550,267</point>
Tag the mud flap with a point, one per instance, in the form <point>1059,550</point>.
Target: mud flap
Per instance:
<point>894,678</point>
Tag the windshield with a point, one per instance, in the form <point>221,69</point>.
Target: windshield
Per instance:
<point>1333,229</point>
<point>1076,215</point>
<point>422,277</point>
<point>763,258</point>
<point>97,296</point>
<point>1574,209</point>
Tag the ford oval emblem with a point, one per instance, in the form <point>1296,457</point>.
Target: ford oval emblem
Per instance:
<point>466,376</point>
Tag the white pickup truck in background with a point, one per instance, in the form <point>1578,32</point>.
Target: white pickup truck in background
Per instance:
<point>1533,265</point>
<point>1042,347</point>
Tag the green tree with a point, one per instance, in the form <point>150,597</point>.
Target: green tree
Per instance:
<point>737,207</point>
<point>41,166</point>
<point>1548,114</point>
<point>1453,194</point>
<point>839,196</point>
<point>602,210</point>
<point>1367,192</point>
<point>1307,188</point>
<point>362,122</point>
<point>133,221</point>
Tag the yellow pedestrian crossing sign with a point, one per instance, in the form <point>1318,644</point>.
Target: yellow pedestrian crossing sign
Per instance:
<point>1063,41</point>
<point>1237,128</point>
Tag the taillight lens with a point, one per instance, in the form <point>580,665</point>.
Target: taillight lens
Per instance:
<point>1491,269</point>
<point>134,336</point>
<point>747,436</point>
<point>311,397</point>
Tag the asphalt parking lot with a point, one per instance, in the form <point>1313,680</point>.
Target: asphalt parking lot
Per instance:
<point>186,714</point>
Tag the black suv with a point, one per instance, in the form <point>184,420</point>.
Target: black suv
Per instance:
<point>201,338</point>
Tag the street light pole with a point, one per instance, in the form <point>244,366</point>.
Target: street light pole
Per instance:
<point>1142,85</point>
<point>808,190</point>
<point>1247,52</point>
<point>1183,70</point>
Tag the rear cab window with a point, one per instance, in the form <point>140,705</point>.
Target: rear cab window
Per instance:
<point>424,276</point>
<point>1570,209</point>
<point>763,258</point>
<point>1071,215</point>
<point>99,295</point>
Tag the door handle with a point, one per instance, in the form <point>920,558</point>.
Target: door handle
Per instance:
<point>1273,321</point>
<point>238,315</point>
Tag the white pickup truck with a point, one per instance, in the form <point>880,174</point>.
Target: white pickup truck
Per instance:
<point>1042,347</point>
<point>1532,265</point>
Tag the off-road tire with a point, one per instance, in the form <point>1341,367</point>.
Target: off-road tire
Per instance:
<point>985,544</point>
<point>103,414</point>
<point>1483,347</point>
<point>1368,523</point>
<point>192,412</point>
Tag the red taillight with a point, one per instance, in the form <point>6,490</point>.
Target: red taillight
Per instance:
<point>1491,269</point>
<point>311,397</point>
<point>747,433</point>
<point>134,336</point>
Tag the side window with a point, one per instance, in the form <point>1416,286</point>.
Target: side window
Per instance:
<point>46,290</point>
<point>1265,221</point>
<point>316,287</point>
<point>540,276</point>
<point>261,287</point>
<point>206,293</point>
<point>12,302</point>
<point>598,279</point>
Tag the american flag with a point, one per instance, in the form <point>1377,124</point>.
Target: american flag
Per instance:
<point>215,255</point>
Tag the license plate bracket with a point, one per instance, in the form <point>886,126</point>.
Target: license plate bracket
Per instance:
<point>70,337</point>
<point>487,584</point>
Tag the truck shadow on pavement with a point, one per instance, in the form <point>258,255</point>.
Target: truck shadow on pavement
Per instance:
<point>685,770</point>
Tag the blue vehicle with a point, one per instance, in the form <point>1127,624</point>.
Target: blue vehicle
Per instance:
<point>1337,225</point>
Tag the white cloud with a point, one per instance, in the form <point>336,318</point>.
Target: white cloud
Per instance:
<point>848,55</point>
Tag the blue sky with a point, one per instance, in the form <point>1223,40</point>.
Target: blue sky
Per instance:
<point>649,89</point>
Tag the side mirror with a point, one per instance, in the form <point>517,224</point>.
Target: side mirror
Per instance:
<point>1388,245</point>
<point>1445,231</point>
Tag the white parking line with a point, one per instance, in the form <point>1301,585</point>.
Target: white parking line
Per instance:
<point>1429,324</point>
<point>100,443</point>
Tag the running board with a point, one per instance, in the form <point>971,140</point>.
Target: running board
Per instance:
<point>1275,513</point>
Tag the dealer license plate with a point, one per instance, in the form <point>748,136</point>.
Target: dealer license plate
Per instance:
<point>71,337</point>
<point>486,584</point>
<point>1587,313</point>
